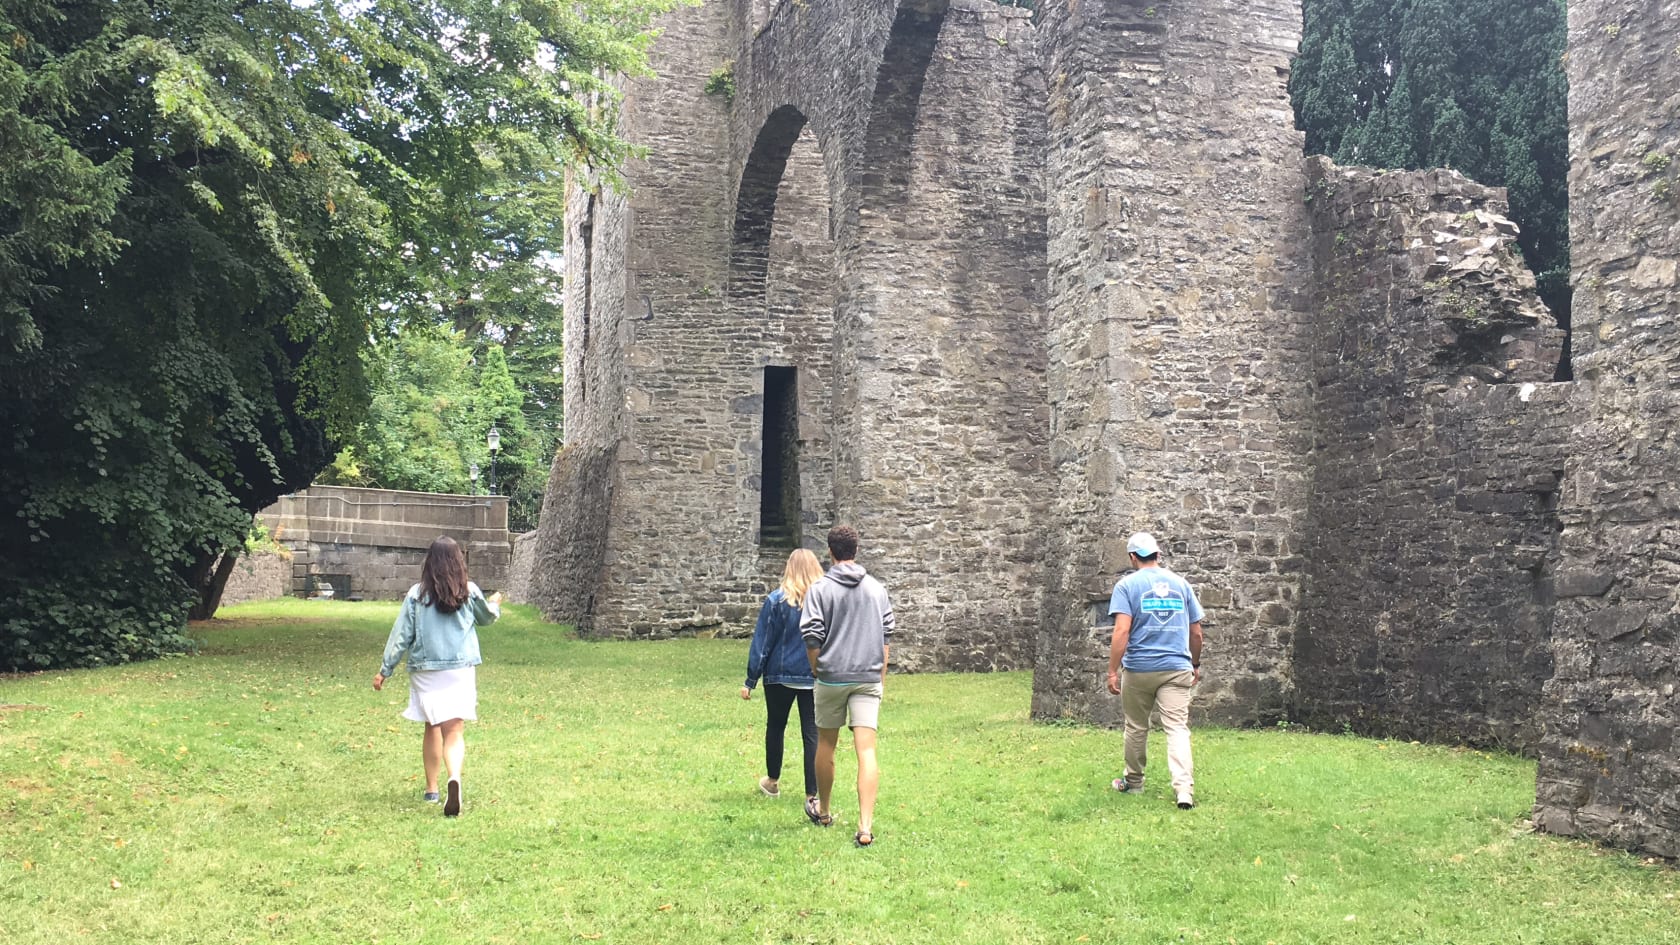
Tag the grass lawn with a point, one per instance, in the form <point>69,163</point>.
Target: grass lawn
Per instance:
<point>261,791</point>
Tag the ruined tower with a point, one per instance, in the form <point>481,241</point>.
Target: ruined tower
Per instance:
<point>820,300</point>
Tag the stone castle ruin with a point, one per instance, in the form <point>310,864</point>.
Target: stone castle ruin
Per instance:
<point>1002,287</point>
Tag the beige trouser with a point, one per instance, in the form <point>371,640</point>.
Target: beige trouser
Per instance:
<point>1168,692</point>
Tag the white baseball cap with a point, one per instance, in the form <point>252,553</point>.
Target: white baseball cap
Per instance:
<point>1143,545</point>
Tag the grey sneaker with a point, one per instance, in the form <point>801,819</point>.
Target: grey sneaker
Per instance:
<point>1185,801</point>
<point>431,797</point>
<point>1119,784</point>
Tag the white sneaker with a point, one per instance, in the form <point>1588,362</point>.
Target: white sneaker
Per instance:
<point>1185,801</point>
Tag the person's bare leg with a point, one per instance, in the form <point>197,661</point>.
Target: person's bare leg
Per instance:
<point>827,740</point>
<point>869,777</point>
<point>454,746</point>
<point>432,751</point>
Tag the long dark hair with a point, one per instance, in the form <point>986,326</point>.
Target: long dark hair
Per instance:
<point>443,578</point>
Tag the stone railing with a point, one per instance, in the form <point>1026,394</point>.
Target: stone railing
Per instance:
<point>369,543</point>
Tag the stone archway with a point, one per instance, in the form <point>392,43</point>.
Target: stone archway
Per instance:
<point>781,288</point>
<point>854,240</point>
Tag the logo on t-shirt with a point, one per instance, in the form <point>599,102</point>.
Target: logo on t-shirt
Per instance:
<point>1161,603</point>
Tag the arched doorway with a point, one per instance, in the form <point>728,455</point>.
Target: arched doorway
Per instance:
<point>781,296</point>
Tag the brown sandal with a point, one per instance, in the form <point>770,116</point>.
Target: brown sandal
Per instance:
<point>863,838</point>
<point>820,819</point>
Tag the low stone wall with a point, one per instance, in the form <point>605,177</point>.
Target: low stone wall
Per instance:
<point>370,543</point>
<point>265,575</point>
<point>1437,458</point>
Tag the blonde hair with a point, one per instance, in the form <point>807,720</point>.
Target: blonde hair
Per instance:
<point>801,572</point>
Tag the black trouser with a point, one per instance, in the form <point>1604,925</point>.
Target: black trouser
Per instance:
<point>778,700</point>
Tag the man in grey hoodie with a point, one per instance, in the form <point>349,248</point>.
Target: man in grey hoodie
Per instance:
<point>847,622</point>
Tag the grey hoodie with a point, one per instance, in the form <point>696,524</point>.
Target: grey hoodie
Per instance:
<point>848,620</point>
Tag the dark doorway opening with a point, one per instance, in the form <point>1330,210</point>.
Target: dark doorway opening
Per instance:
<point>778,511</point>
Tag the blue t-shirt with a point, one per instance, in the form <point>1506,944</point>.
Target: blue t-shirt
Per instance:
<point>1162,607</point>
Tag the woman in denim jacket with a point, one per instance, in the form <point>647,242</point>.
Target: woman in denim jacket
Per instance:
<point>437,630</point>
<point>778,655</point>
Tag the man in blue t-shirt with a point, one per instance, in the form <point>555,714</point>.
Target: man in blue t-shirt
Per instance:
<point>1158,643</point>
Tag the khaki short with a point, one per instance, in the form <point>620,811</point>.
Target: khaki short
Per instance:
<point>860,701</point>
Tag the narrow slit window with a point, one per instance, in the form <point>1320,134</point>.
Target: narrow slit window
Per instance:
<point>586,237</point>
<point>779,493</point>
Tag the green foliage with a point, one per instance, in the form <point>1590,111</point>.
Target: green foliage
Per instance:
<point>1477,86</point>
<point>260,541</point>
<point>207,208</point>
<point>179,781</point>
<point>722,81</point>
<point>436,394</point>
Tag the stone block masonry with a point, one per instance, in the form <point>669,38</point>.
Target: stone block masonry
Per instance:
<point>1437,456</point>
<point>1609,761</point>
<point>1178,270</point>
<point>376,539</point>
<point>265,575</point>
<point>823,302</point>
<point>521,567</point>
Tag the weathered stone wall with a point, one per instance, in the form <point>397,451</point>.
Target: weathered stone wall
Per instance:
<point>379,537</point>
<point>1438,451</point>
<point>1041,282</point>
<point>1178,268</point>
<point>261,576</point>
<point>627,511</point>
<point>867,211</point>
<point>1609,761</point>
<point>571,544</point>
<point>941,357</point>
<point>521,566</point>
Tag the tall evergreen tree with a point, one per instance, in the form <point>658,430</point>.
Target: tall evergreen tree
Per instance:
<point>1475,85</point>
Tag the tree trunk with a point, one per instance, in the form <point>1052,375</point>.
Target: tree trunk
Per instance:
<point>210,589</point>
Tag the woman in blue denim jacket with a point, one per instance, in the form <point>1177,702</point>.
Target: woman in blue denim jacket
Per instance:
<point>778,656</point>
<point>437,629</point>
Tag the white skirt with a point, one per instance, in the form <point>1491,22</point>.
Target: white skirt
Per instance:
<point>438,695</point>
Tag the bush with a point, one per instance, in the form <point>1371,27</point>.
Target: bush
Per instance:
<point>112,618</point>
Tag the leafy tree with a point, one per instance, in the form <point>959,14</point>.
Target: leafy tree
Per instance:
<point>1475,85</point>
<point>207,207</point>
<point>435,397</point>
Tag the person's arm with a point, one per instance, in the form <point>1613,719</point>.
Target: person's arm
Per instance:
<point>1196,649</point>
<point>485,611</point>
<point>1117,649</point>
<point>397,644</point>
<point>1195,634</point>
<point>888,624</point>
<point>812,627</point>
<point>760,647</point>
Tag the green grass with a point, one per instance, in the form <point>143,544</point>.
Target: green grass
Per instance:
<point>261,791</point>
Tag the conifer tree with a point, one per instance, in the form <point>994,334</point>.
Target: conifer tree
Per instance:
<point>1475,85</point>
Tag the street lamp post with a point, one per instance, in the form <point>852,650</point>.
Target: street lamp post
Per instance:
<point>472,473</point>
<point>494,441</point>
